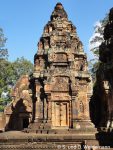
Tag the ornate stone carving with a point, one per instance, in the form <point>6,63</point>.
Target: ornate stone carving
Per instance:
<point>60,77</point>
<point>64,86</point>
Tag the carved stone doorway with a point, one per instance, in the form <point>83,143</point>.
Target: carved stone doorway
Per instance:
<point>60,115</point>
<point>25,122</point>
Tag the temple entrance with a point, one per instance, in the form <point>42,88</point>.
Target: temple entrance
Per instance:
<point>25,122</point>
<point>60,115</point>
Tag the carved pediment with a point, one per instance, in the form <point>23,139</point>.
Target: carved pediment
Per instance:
<point>60,84</point>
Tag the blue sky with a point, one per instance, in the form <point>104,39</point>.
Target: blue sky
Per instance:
<point>23,22</point>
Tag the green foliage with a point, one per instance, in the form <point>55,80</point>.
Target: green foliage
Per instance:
<point>98,35</point>
<point>1,108</point>
<point>5,75</point>
<point>95,42</point>
<point>3,51</point>
<point>10,72</point>
<point>22,66</point>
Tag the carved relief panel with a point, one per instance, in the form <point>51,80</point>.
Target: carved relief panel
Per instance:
<point>83,112</point>
<point>69,27</point>
<point>61,38</point>
<point>80,65</point>
<point>61,70</point>
<point>60,57</point>
<point>40,45</point>
<point>61,84</point>
<point>57,57</point>
<point>60,96</point>
<point>46,43</point>
<point>39,64</point>
<point>74,42</point>
<point>83,86</point>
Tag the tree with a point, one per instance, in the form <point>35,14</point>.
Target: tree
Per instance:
<point>21,67</point>
<point>3,65</point>
<point>94,43</point>
<point>10,72</point>
<point>3,51</point>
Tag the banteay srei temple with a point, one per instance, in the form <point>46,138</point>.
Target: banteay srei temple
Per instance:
<point>57,107</point>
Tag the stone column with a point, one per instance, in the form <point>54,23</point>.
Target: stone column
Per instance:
<point>38,103</point>
<point>49,107</point>
<point>74,110</point>
<point>45,108</point>
<point>37,109</point>
<point>87,106</point>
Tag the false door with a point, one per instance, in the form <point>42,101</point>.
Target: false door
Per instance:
<point>60,115</point>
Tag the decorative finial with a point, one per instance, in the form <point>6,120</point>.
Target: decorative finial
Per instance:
<point>59,6</point>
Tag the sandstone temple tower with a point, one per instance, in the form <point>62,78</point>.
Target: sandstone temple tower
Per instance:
<point>61,82</point>
<point>50,107</point>
<point>57,94</point>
